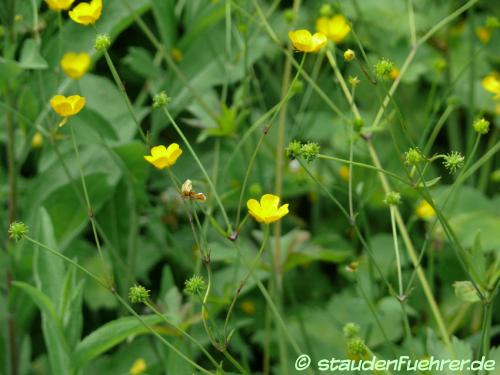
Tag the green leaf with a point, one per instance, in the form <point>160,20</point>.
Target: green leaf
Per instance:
<point>31,57</point>
<point>57,346</point>
<point>465,291</point>
<point>108,336</point>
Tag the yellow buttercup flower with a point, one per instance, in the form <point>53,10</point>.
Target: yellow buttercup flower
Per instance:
<point>164,157</point>
<point>86,13</point>
<point>344,173</point>
<point>483,34</point>
<point>304,41</point>
<point>267,210</point>
<point>37,140</point>
<point>75,65</point>
<point>248,307</point>
<point>394,73</point>
<point>491,83</point>
<point>425,211</point>
<point>59,5</point>
<point>335,28</point>
<point>67,106</point>
<point>138,367</point>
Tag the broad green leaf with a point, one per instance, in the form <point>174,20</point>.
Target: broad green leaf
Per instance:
<point>48,269</point>
<point>108,336</point>
<point>31,57</point>
<point>55,341</point>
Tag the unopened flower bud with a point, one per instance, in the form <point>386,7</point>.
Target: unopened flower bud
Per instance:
<point>349,55</point>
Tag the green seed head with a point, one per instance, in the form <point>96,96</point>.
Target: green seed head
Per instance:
<point>413,156</point>
<point>383,67</point>
<point>161,99</point>
<point>453,161</point>
<point>138,294</point>
<point>310,151</point>
<point>351,330</point>
<point>481,126</point>
<point>102,42</point>
<point>293,150</point>
<point>393,198</point>
<point>195,285</point>
<point>356,348</point>
<point>18,230</point>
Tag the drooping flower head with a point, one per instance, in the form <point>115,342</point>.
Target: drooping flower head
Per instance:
<point>164,157</point>
<point>335,28</point>
<point>304,41</point>
<point>86,13</point>
<point>67,106</point>
<point>268,209</point>
<point>59,5</point>
<point>75,65</point>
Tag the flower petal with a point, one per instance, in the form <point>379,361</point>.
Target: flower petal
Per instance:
<point>269,202</point>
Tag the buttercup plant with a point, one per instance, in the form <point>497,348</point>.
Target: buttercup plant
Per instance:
<point>102,225</point>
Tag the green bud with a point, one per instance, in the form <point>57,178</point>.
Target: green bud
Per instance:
<point>102,42</point>
<point>138,294</point>
<point>393,198</point>
<point>18,230</point>
<point>289,15</point>
<point>351,330</point>
<point>195,285</point>
<point>161,99</point>
<point>383,67</point>
<point>349,55</point>
<point>481,126</point>
<point>413,156</point>
<point>453,161</point>
<point>326,10</point>
<point>297,86</point>
<point>358,124</point>
<point>310,151</point>
<point>293,150</point>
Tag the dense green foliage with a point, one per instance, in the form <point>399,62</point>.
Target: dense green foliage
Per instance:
<point>387,156</point>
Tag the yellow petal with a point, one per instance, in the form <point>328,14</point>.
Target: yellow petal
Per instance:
<point>269,202</point>
<point>159,151</point>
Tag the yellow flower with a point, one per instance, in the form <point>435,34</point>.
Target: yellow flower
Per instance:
<point>67,106</point>
<point>483,34</point>
<point>491,83</point>
<point>335,28</point>
<point>59,4</point>
<point>344,173</point>
<point>425,211</point>
<point>37,140</point>
<point>164,157</point>
<point>248,307</point>
<point>86,13</point>
<point>268,210</point>
<point>177,54</point>
<point>138,367</point>
<point>303,41</point>
<point>394,73</point>
<point>75,65</point>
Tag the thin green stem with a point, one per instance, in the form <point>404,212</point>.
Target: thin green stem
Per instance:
<point>245,279</point>
<point>183,332</point>
<point>123,93</point>
<point>90,211</point>
<point>202,168</point>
